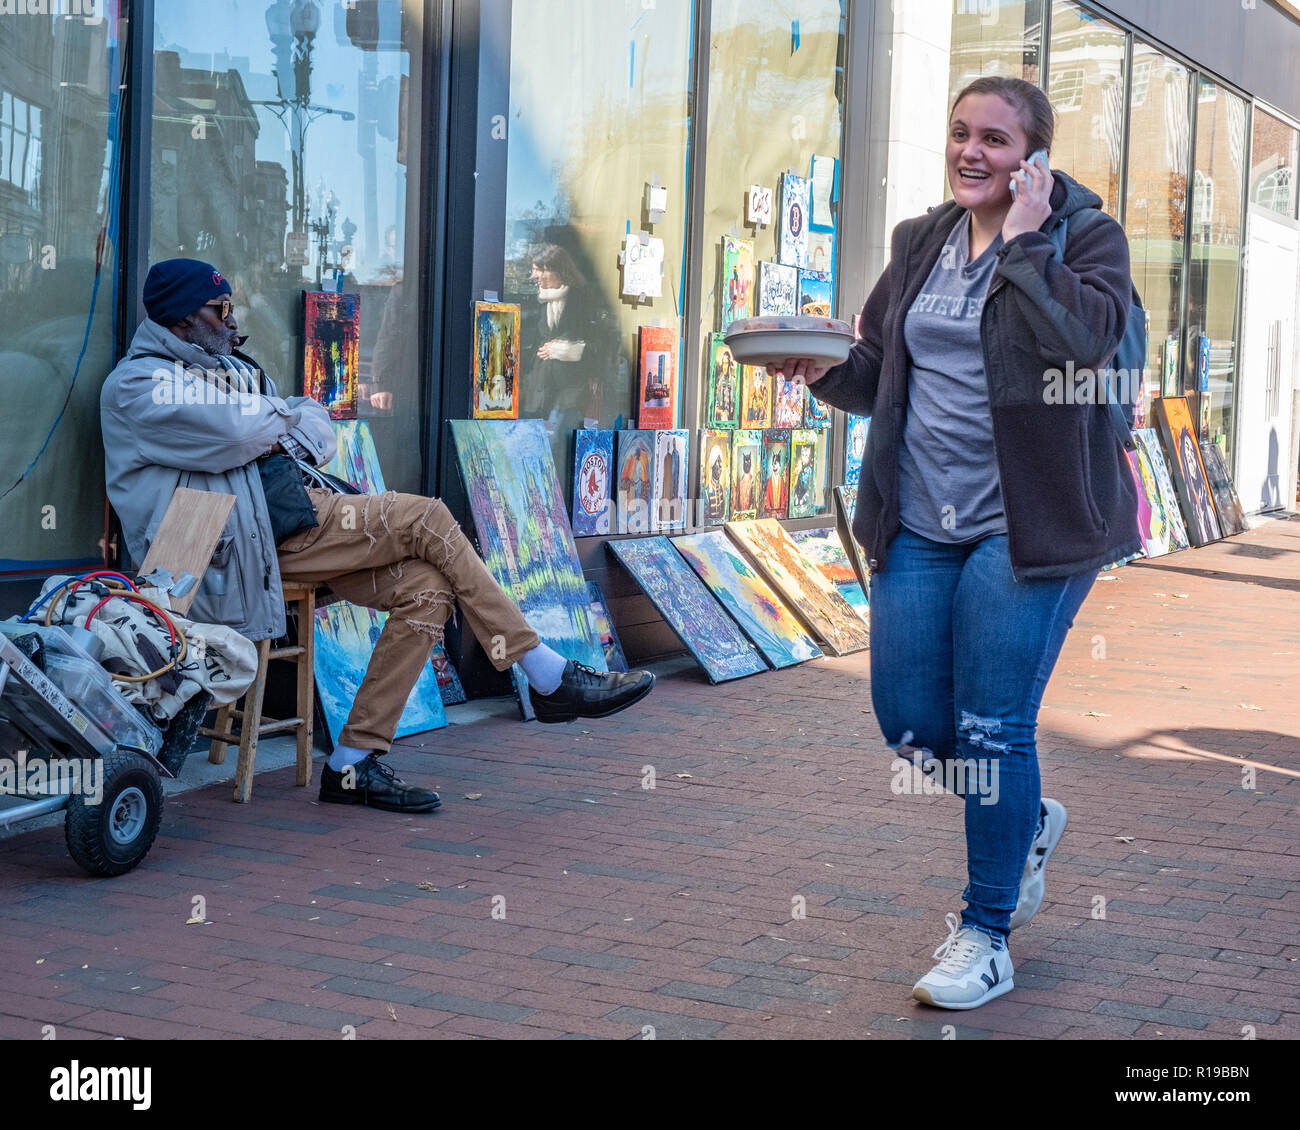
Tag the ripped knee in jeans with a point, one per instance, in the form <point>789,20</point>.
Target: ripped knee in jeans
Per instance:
<point>979,731</point>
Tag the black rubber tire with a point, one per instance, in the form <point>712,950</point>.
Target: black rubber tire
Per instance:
<point>87,826</point>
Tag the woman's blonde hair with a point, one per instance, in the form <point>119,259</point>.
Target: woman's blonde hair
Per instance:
<point>1037,118</point>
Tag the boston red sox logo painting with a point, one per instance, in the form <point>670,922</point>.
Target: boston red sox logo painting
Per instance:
<point>593,483</point>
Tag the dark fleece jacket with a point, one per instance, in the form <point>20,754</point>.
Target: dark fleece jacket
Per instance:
<point>1067,490</point>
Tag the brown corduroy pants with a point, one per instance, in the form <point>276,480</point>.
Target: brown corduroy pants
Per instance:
<point>405,555</point>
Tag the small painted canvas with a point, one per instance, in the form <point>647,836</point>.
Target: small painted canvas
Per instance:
<point>524,535</point>
<point>815,294</point>
<point>724,385</point>
<point>846,502</point>
<point>1149,444</point>
<point>1151,524</point>
<point>1232,519</point>
<point>1178,433</point>
<point>801,585</point>
<point>496,361</point>
<point>760,613</point>
<point>668,504</point>
<point>746,473</point>
<point>715,477</point>
<point>794,220</point>
<point>787,411</point>
<point>756,397</point>
<point>758,205</point>
<point>778,290</point>
<point>689,608</point>
<point>815,413</point>
<point>774,494</point>
<point>345,638</point>
<point>855,447</point>
<point>634,482</point>
<point>807,479</point>
<point>356,461</point>
<point>657,386</point>
<point>449,684</point>
<point>824,549</point>
<point>736,294</point>
<point>821,253</point>
<point>593,458</point>
<point>609,644</point>
<point>332,351</point>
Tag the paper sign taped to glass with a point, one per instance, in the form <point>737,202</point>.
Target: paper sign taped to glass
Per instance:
<point>643,266</point>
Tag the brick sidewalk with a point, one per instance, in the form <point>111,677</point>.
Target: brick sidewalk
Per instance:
<point>626,907</point>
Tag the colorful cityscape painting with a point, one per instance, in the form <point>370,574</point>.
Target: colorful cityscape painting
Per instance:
<point>824,549</point>
<point>523,533</point>
<point>356,461</point>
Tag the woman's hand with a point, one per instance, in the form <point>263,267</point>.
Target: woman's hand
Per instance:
<point>544,353</point>
<point>800,369</point>
<point>1033,202</point>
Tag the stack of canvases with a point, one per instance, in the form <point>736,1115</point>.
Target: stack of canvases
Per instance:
<point>1185,496</point>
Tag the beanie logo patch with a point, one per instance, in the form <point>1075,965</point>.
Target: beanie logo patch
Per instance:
<point>217,279</point>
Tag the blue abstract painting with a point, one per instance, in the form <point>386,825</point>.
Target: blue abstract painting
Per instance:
<point>760,613</point>
<point>855,447</point>
<point>699,620</point>
<point>346,635</point>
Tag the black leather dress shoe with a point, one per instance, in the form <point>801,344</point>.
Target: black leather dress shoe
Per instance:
<point>375,785</point>
<point>586,693</point>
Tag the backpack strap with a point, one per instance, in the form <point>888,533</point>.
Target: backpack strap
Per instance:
<point>1118,417</point>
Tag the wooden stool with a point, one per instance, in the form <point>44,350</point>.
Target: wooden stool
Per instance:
<point>302,655</point>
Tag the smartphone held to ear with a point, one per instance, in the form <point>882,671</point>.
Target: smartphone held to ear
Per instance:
<point>1038,156</point>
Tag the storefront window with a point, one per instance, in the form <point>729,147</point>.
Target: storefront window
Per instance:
<point>1086,86</point>
<point>1275,162</point>
<point>1155,212</point>
<point>286,150</point>
<point>775,127</point>
<point>58,176</point>
<point>1210,368</point>
<point>599,115</point>
<point>995,37</point>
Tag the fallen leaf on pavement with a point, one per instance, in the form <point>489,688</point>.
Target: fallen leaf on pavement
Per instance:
<point>425,887</point>
<point>392,1012</point>
<point>473,796</point>
<point>1124,839</point>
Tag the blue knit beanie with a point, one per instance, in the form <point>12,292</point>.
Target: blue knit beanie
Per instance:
<point>176,288</point>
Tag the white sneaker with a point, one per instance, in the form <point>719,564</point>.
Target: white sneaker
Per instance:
<point>1031,882</point>
<point>970,971</point>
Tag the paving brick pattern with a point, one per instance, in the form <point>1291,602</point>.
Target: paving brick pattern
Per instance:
<point>568,901</point>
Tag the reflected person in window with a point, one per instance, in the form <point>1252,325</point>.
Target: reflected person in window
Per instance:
<point>569,342</point>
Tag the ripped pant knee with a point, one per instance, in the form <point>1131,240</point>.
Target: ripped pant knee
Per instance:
<point>979,731</point>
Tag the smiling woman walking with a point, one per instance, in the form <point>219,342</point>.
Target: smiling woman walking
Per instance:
<point>985,510</point>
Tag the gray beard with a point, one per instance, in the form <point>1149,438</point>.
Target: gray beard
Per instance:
<point>212,341</point>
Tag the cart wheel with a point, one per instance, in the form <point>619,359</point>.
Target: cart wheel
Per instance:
<point>111,837</point>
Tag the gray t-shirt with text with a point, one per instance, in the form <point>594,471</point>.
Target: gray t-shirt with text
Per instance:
<point>948,473</point>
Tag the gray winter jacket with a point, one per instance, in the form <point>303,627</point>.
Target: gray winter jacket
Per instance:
<point>173,416</point>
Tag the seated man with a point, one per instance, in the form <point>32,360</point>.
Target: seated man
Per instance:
<point>185,408</point>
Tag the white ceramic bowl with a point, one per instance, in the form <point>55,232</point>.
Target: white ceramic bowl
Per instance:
<point>771,340</point>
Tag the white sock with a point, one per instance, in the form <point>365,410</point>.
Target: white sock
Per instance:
<point>345,755</point>
<point>544,668</point>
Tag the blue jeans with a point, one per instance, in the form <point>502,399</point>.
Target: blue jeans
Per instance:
<point>960,655</point>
